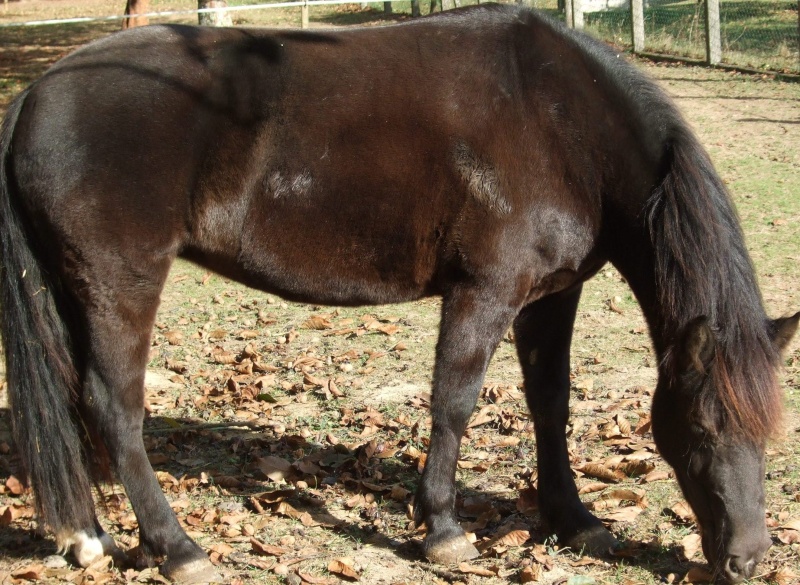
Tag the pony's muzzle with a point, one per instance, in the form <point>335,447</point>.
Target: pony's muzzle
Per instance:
<point>737,567</point>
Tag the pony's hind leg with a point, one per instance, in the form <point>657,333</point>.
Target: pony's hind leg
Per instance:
<point>543,333</point>
<point>119,324</point>
<point>473,323</point>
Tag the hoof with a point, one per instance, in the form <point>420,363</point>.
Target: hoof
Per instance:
<point>596,541</point>
<point>451,551</point>
<point>194,572</point>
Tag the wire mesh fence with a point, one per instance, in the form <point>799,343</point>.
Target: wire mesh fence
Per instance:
<point>758,34</point>
<point>762,34</point>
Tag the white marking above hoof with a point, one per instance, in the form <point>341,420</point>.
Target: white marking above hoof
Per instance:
<point>87,549</point>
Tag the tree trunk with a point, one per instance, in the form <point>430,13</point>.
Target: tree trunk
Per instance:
<point>217,18</point>
<point>135,7</point>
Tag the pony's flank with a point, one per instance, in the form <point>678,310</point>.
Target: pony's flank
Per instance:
<point>702,268</point>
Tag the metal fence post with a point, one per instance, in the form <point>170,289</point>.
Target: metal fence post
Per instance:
<point>304,15</point>
<point>713,42</point>
<point>637,25</point>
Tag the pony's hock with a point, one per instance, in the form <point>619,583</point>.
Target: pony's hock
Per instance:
<point>502,159</point>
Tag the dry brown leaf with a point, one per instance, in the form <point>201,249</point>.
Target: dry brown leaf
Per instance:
<point>511,537</point>
<point>599,471</point>
<point>530,574</point>
<point>174,337</point>
<point>698,575</point>
<point>468,569</point>
<point>266,549</point>
<point>655,476</point>
<point>224,357</point>
<point>784,576</point>
<point>627,514</point>
<point>32,572</point>
<point>514,538</point>
<point>593,487</point>
<point>528,501</point>
<point>637,468</point>
<point>318,322</point>
<point>14,486</point>
<point>217,335</point>
<point>785,536</point>
<point>275,468</point>
<point>691,545</point>
<point>388,329</point>
<point>683,511</point>
<point>313,579</point>
<point>485,415</point>
<point>791,524</point>
<point>344,567</point>
<point>638,497</point>
<point>644,426</point>
<point>623,424</point>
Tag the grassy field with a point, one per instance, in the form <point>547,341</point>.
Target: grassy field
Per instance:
<point>289,438</point>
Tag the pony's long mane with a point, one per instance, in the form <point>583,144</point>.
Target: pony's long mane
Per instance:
<point>702,268</point>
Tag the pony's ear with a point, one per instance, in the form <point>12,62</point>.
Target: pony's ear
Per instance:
<point>782,330</point>
<point>696,346</point>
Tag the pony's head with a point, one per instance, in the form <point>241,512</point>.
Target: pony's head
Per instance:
<point>715,442</point>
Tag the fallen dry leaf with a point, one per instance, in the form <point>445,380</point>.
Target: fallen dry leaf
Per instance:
<point>627,514</point>
<point>468,569</point>
<point>691,545</point>
<point>14,486</point>
<point>599,471</point>
<point>344,567</point>
<point>266,549</point>
<point>312,579</point>
<point>791,524</point>
<point>318,322</point>
<point>784,576</point>
<point>32,572</point>
<point>683,511</point>
<point>697,575</point>
<point>655,476</point>
<point>275,468</point>
<point>530,574</point>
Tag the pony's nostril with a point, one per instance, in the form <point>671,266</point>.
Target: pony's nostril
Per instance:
<point>738,569</point>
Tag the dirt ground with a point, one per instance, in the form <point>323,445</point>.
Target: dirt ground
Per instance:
<point>289,438</point>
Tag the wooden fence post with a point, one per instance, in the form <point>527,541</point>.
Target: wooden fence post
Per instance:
<point>577,14</point>
<point>569,14</point>
<point>713,42</point>
<point>637,22</point>
<point>304,16</point>
<point>415,11</point>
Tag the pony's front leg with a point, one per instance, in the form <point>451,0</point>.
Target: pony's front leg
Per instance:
<point>473,323</point>
<point>543,333</point>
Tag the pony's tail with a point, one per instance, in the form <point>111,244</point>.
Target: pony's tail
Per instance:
<point>41,375</point>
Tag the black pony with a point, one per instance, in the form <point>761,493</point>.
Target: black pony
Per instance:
<point>486,155</point>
